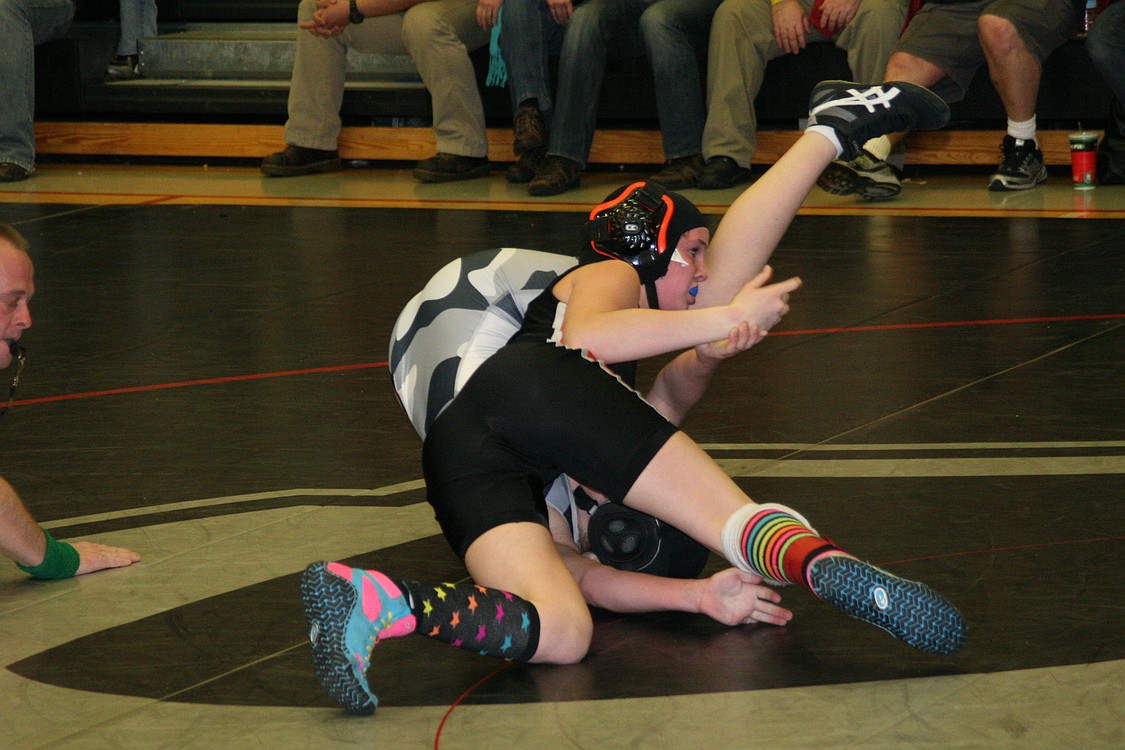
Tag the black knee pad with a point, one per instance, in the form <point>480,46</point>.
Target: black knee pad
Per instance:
<point>627,539</point>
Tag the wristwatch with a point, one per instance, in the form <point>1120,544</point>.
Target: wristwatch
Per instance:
<point>355,16</point>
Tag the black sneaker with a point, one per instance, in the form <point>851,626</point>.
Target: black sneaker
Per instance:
<point>721,172</point>
<point>556,174</point>
<point>1021,167</point>
<point>13,172</point>
<point>679,173</point>
<point>530,127</point>
<point>123,68</point>
<point>867,176</point>
<point>859,113</point>
<point>298,160</point>
<point>524,169</point>
<point>451,167</point>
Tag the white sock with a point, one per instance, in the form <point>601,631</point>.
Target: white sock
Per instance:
<point>1023,131</point>
<point>879,147</point>
<point>829,133</point>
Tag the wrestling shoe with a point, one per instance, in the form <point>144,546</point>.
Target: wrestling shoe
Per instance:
<point>1020,168</point>
<point>867,176</point>
<point>350,610</point>
<point>858,113</point>
<point>908,610</point>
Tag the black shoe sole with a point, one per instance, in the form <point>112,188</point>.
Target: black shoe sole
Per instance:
<point>316,167</point>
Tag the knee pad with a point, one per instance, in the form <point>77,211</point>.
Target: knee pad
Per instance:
<point>627,539</point>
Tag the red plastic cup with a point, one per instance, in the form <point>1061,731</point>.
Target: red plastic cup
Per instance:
<point>1084,159</point>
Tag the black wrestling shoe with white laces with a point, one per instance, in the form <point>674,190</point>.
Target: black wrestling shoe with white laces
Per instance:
<point>1021,167</point>
<point>858,113</point>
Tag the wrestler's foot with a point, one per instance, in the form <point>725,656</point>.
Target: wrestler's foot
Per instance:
<point>350,610</point>
<point>858,113</point>
<point>908,610</point>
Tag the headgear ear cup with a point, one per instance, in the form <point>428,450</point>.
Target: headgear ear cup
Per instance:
<point>630,540</point>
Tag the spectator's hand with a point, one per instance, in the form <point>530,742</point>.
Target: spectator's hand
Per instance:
<point>836,14</point>
<point>741,337</point>
<point>330,18</point>
<point>93,557</point>
<point>764,305</point>
<point>735,597</point>
<point>488,11</point>
<point>560,10</point>
<point>790,25</point>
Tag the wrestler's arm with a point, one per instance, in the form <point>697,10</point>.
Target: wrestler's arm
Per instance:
<point>603,315</point>
<point>731,596</point>
<point>682,382</point>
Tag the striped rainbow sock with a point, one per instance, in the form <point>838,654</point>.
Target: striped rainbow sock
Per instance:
<point>775,542</point>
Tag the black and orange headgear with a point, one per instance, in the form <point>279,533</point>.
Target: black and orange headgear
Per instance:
<point>640,224</point>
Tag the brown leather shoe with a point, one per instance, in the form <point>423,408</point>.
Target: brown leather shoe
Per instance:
<point>679,173</point>
<point>530,128</point>
<point>556,174</point>
<point>13,172</point>
<point>451,167</point>
<point>523,171</point>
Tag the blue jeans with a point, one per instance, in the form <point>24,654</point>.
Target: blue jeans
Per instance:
<point>24,24</point>
<point>1106,45</point>
<point>674,34</point>
<point>138,21</point>
<point>529,35</point>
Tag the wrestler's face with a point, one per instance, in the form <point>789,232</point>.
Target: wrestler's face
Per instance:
<point>676,288</point>
<point>17,284</point>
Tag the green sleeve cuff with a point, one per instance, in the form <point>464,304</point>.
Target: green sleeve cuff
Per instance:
<point>61,560</point>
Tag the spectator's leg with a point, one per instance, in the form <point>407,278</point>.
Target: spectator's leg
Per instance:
<point>25,25</point>
<point>138,21</point>
<point>674,32</point>
<point>595,25</point>
<point>1106,45</point>
<point>439,36</point>
<point>525,40</point>
<point>741,44</point>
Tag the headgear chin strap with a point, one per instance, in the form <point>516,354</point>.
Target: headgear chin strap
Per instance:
<point>630,540</point>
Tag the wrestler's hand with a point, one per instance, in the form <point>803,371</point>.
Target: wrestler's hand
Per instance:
<point>735,597</point>
<point>741,337</point>
<point>790,25</point>
<point>762,304</point>
<point>93,557</point>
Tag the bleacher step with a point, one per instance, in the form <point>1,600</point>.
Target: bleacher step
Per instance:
<point>250,52</point>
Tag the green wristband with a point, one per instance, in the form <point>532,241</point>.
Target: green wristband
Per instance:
<point>61,560</point>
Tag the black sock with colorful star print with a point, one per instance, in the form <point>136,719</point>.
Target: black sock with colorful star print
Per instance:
<point>488,621</point>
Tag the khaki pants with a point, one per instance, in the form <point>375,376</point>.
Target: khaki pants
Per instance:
<point>438,35</point>
<point>742,43</point>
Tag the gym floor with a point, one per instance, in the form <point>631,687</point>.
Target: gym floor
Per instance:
<point>206,384</point>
